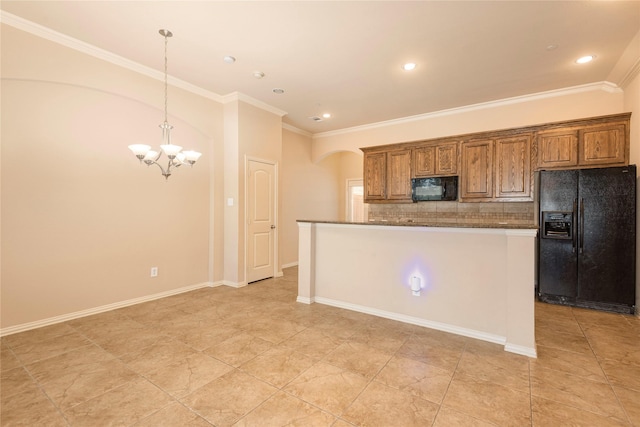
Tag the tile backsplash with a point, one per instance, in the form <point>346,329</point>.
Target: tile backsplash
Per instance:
<point>522,213</point>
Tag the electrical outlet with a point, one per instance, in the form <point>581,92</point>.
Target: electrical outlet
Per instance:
<point>154,271</point>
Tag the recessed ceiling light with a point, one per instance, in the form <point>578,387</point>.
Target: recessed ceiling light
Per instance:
<point>229,59</point>
<point>258,74</point>
<point>278,91</point>
<point>585,59</point>
<point>326,115</point>
<point>315,118</point>
<point>409,66</point>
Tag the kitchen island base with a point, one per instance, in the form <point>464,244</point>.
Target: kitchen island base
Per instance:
<point>476,282</point>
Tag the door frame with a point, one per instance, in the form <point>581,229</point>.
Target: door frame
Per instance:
<point>248,159</point>
<point>349,184</point>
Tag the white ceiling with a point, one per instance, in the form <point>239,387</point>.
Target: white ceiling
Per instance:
<point>345,57</point>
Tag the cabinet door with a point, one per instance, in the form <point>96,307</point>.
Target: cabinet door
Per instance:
<point>424,161</point>
<point>558,149</point>
<point>375,176</point>
<point>477,170</point>
<point>399,175</point>
<point>602,145</point>
<point>513,168</point>
<point>447,159</point>
<point>435,160</point>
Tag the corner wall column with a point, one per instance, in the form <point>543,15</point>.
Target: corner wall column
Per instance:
<point>306,262</point>
<point>520,292</point>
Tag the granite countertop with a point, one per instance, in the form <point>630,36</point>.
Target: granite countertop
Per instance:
<point>431,224</point>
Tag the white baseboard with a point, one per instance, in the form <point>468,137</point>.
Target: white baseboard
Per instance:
<point>304,300</point>
<point>518,349</point>
<point>291,264</point>
<point>233,284</point>
<point>96,310</point>
<point>471,333</point>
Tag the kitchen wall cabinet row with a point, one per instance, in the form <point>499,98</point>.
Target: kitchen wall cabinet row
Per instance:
<point>497,165</point>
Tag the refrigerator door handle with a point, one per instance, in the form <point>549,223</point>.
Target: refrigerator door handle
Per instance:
<point>574,226</point>
<point>581,225</point>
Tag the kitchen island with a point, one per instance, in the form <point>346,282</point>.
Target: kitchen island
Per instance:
<point>472,281</point>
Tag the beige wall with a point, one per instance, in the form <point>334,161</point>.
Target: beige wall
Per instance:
<point>80,234</point>
<point>249,133</point>
<point>82,221</point>
<point>500,115</point>
<point>309,191</point>
<point>231,171</point>
<point>632,103</point>
<point>350,168</point>
<point>259,137</point>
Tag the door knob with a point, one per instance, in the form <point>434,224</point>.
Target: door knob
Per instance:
<point>273,226</point>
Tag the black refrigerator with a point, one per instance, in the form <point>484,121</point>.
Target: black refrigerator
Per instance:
<point>587,239</point>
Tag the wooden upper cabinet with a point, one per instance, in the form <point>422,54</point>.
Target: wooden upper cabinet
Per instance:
<point>387,176</point>
<point>599,142</point>
<point>496,166</point>
<point>435,160</point>
<point>375,176</point>
<point>603,145</point>
<point>476,175</point>
<point>513,168</point>
<point>399,175</point>
<point>558,148</point>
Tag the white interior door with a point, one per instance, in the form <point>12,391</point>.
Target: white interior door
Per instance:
<point>261,195</point>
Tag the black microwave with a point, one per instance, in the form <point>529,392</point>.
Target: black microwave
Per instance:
<point>436,188</point>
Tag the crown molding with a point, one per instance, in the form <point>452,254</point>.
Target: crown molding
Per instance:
<point>633,72</point>
<point>238,96</point>
<point>602,86</point>
<point>96,52</point>
<point>88,49</point>
<point>298,131</point>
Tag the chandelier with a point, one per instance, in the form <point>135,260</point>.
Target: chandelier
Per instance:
<point>176,157</point>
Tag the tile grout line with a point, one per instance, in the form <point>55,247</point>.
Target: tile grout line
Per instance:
<point>38,385</point>
<point>530,393</point>
<point>583,328</point>
<point>624,410</point>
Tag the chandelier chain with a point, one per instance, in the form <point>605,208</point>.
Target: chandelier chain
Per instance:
<point>166,40</point>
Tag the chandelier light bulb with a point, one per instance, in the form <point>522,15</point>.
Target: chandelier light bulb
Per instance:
<point>171,150</point>
<point>151,155</point>
<point>192,156</point>
<point>139,150</point>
